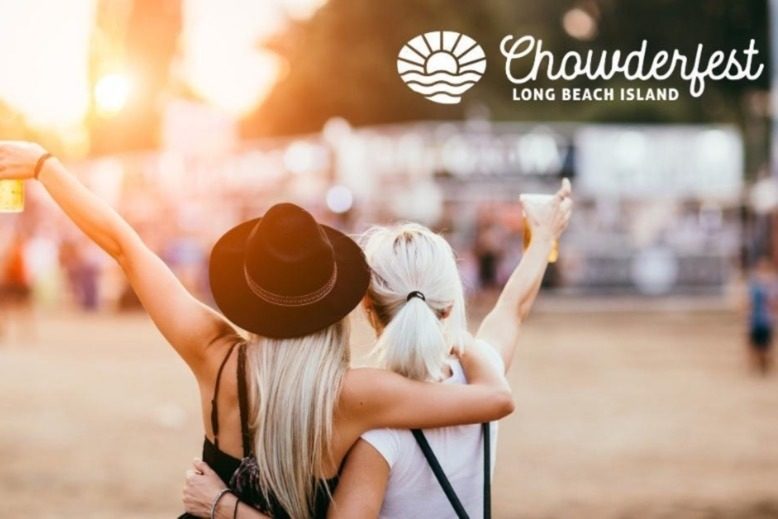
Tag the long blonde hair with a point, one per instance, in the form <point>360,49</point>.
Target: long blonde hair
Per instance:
<point>296,383</point>
<point>416,340</point>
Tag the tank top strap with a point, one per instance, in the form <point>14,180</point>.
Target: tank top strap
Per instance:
<point>243,401</point>
<point>215,399</point>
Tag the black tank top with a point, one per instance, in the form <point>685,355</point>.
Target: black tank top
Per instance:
<point>241,475</point>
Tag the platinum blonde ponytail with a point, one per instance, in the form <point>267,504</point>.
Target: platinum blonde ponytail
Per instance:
<point>416,340</point>
<point>296,386</point>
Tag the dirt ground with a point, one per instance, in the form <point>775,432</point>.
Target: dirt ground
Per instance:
<point>640,414</point>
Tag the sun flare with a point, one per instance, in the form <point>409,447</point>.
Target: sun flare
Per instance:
<point>111,93</point>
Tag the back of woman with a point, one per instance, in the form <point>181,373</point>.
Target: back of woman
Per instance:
<point>416,304</point>
<point>412,490</point>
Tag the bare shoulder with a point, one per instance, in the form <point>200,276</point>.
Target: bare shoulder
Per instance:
<point>362,387</point>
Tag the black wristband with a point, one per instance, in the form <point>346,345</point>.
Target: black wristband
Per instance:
<point>39,165</point>
<point>235,512</point>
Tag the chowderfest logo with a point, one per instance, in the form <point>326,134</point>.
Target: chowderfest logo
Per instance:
<point>639,65</point>
<point>441,65</point>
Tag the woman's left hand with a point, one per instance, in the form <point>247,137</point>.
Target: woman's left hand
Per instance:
<point>18,158</point>
<point>552,220</point>
<point>201,487</point>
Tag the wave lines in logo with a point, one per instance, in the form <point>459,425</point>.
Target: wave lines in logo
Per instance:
<point>441,65</point>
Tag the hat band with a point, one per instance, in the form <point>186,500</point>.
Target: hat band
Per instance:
<point>292,301</point>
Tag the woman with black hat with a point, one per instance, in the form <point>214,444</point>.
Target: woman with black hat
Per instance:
<point>280,414</point>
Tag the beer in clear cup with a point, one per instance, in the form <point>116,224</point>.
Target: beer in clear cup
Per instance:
<point>11,196</point>
<point>539,206</point>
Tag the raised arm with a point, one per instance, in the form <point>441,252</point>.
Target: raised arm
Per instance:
<point>187,324</point>
<point>379,398</point>
<point>500,328</point>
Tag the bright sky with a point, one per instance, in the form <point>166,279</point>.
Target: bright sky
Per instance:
<point>43,63</point>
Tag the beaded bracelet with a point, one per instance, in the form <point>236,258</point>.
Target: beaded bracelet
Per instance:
<point>216,500</point>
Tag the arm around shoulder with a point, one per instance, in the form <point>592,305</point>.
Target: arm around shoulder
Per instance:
<point>379,398</point>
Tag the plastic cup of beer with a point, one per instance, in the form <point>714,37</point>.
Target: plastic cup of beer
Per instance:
<point>539,206</point>
<point>11,196</point>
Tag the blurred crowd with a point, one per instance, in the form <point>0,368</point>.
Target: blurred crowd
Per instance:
<point>47,263</point>
<point>462,181</point>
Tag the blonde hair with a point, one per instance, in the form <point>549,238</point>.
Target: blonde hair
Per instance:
<point>416,341</point>
<point>296,383</point>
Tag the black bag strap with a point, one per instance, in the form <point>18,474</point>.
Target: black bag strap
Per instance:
<point>485,427</point>
<point>439,474</point>
<point>432,460</point>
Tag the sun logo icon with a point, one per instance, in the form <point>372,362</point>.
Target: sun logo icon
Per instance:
<point>441,65</point>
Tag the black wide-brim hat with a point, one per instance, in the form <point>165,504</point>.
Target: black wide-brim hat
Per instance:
<point>285,275</point>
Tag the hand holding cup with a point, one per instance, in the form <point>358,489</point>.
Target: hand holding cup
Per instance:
<point>17,163</point>
<point>18,159</point>
<point>546,216</point>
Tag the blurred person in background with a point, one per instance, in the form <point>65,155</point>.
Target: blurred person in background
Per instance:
<point>416,306</point>
<point>487,248</point>
<point>44,268</point>
<point>762,299</point>
<point>16,313</point>
<point>83,271</point>
<point>291,407</point>
<point>188,259</point>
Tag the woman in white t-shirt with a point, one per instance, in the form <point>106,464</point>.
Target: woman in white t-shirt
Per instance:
<point>415,303</point>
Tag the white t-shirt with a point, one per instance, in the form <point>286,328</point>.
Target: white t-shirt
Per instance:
<point>412,490</point>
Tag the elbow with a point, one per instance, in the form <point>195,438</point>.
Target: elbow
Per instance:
<point>502,404</point>
<point>522,311</point>
<point>120,258</point>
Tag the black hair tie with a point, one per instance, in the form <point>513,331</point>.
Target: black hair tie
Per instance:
<point>415,293</point>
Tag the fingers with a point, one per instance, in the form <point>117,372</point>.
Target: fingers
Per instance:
<point>566,208</point>
<point>201,466</point>
<point>566,189</point>
<point>565,212</point>
<point>10,170</point>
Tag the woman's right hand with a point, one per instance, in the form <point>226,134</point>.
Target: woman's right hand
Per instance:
<point>201,488</point>
<point>18,159</point>
<point>550,220</point>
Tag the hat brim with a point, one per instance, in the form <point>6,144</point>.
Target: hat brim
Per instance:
<point>241,306</point>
